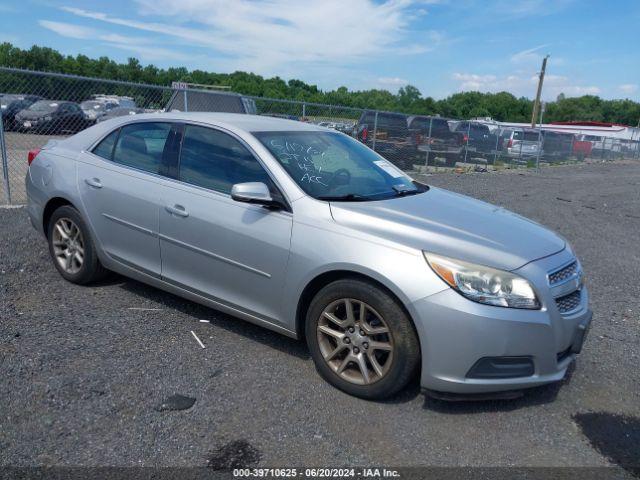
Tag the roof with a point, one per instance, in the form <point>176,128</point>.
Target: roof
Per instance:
<point>235,122</point>
<point>591,124</point>
<point>240,121</point>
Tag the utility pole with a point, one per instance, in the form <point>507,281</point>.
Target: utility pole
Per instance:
<point>536,104</point>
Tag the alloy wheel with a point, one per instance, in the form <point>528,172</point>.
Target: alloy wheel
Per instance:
<point>355,341</point>
<point>68,245</point>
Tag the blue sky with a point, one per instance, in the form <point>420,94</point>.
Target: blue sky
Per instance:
<point>440,46</point>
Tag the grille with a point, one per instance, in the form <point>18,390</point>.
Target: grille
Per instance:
<point>568,302</point>
<point>564,273</point>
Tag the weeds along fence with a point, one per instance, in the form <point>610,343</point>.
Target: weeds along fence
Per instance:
<point>39,106</point>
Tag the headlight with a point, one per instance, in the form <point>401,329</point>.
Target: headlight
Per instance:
<point>484,284</point>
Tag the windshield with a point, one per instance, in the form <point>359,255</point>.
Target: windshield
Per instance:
<point>44,106</point>
<point>333,166</point>
<point>93,105</point>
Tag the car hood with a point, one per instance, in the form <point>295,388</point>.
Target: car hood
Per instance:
<point>453,225</point>
<point>31,115</point>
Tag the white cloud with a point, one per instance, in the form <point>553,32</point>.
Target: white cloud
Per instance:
<point>522,85</point>
<point>528,55</point>
<point>68,30</point>
<point>392,81</point>
<point>272,36</point>
<point>144,48</point>
<point>628,88</point>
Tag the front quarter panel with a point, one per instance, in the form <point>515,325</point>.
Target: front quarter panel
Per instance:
<point>319,245</point>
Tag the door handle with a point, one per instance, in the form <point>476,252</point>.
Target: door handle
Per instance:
<point>178,210</point>
<point>93,182</point>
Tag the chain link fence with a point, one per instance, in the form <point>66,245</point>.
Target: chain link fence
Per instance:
<point>39,106</point>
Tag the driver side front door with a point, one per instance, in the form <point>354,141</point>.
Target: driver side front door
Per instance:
<point>232,253</point>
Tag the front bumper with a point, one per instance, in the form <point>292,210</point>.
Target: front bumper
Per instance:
<point>456,333</point>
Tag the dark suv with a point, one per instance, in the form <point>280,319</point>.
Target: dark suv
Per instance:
<point>433,134</point>
<point>393,139</point>
<point>478,138</point>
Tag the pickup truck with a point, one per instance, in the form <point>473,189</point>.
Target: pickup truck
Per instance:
<point>434,136</point>
<point>478,138</point>
<point>393,139</point>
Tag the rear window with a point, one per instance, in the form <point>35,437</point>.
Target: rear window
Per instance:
<point>526,136</point>
<point>385,121</point>
<point>479,128</point>
<point>392,122</point>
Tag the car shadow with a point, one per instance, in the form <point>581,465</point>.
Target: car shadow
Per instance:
<point>531,397</point>
<point>215,317</point>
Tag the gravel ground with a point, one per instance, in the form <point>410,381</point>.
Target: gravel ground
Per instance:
<point>85,369</point>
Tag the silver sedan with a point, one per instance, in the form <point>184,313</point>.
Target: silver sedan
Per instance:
<point>308,232</point>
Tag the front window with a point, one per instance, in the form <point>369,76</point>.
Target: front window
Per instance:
<point>332,166</point>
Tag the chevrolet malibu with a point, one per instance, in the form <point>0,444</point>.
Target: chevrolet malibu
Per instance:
<point>308,232</point>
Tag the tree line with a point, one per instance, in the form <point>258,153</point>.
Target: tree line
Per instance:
<point>502,106</point>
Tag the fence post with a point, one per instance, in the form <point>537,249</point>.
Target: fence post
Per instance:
<point>186,106</point>
<point>5,164</point>
<point>375,130</point>
<point>466,148</point>
<point>571,149</point>
<point>495,151</point>
<point>540,144</point>
<point>304,110</point>
<point>520,152</point>
<point>426,165</point>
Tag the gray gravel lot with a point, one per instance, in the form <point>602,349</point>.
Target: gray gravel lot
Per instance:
<point>84,368</point>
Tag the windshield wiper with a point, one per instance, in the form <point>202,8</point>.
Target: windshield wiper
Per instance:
<point>349,197</point>
<point>401,190</point>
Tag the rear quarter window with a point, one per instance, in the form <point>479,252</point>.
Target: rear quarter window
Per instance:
<point>105,148</point>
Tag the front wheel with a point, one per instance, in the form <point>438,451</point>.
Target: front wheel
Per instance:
<point>361,340</point>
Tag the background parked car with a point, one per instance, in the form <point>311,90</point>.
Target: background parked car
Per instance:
<point>478,137</point>
<point>557,145</point>
<point>52,117</point>
<point>521,143</point>
<point>12,104</point>
<point>203,101</point>
<point>120,112</point>
<point>393,139</point>
<point>120,100</point>
<point>434,134</point>
<point>94,109</point>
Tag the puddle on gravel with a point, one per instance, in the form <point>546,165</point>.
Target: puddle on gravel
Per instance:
<point>236,454</point>
<point>616,437</point>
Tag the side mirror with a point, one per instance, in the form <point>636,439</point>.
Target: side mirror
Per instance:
<point>253,192</point>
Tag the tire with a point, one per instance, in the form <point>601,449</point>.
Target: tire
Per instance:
<point>396,367</point>
<point>65,254</point>
<point>451,160</point>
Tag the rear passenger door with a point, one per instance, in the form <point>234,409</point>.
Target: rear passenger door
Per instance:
<point>230,252</point>
<point>119,186</point>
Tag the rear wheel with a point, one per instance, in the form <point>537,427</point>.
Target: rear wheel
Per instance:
<point>361,340</point>
<point>71,247</point>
